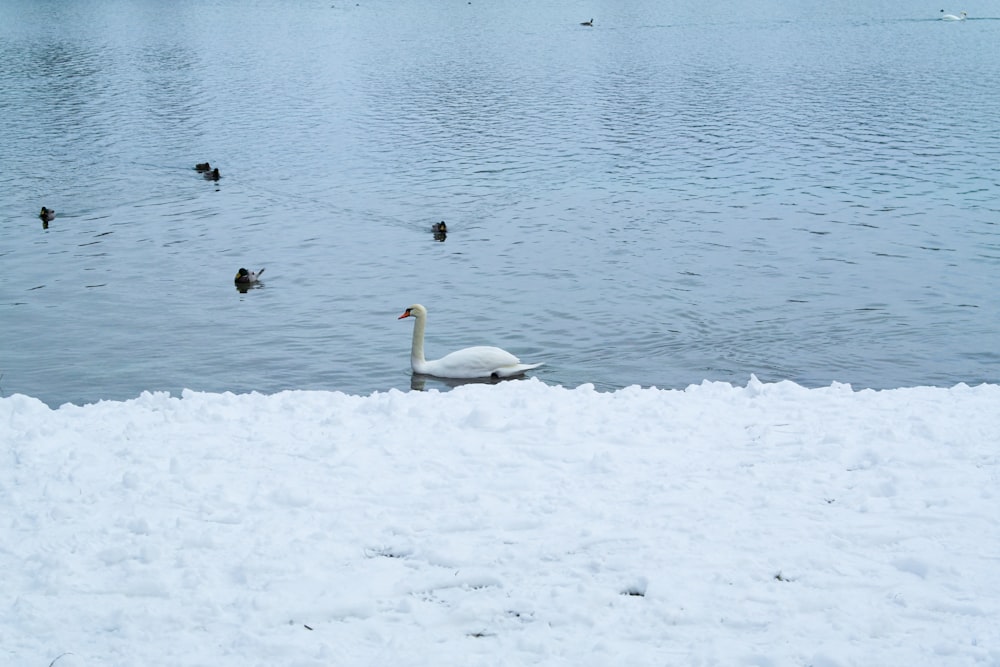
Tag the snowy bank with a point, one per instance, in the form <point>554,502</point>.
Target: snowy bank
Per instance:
<point>504,524</point>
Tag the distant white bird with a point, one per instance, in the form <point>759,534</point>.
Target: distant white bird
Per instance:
<point>244,277</point>
<point>471,362</point>
<point>952,17</point>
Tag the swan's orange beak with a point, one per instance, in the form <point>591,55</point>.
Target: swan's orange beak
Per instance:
<point>406,314</point>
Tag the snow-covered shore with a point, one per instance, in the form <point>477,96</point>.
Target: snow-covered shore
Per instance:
<point>505,524</point>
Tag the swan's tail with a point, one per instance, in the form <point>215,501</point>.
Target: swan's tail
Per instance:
<point>517,369</point>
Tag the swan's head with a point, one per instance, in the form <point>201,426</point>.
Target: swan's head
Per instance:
<point>416,310</point>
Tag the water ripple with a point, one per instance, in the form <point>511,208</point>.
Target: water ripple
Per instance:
<point>677,194</point>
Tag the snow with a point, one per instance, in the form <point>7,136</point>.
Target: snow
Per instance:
<point>508,524</point>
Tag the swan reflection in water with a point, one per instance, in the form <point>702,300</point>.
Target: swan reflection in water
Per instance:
<point>418,382</point>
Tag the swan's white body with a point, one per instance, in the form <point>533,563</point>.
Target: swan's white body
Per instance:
<point>952,17</point>
<point>481,361</point>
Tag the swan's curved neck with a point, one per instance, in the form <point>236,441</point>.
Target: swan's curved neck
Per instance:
<point>417,348</point>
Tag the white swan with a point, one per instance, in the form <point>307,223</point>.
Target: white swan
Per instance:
<point>472,362</point>
<point>952,17</point>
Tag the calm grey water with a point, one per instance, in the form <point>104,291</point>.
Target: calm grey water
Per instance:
<point>800,190</point>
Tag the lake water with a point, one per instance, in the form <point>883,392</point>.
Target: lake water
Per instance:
<point>799,190</point>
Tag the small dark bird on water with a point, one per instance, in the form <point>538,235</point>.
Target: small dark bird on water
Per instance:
<point>590,22</point>
<point>244,277</point>
<point>440,231</point>
<point>203,166</point>
<point>47,214</point>
<point>213,175</point>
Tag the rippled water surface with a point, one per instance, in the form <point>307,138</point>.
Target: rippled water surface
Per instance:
<point>677,193</point>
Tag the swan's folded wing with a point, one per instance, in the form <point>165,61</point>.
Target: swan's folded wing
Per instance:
<point>476,362</point>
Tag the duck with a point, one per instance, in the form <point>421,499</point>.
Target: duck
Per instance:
<point>47,215</point>
<point>469,363</point>
<point>244,277</point>
<point>590,22</point>
<point>440,231</point>
<point>213,175</point>
<point>203,166</point>
<point>951,17</point>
